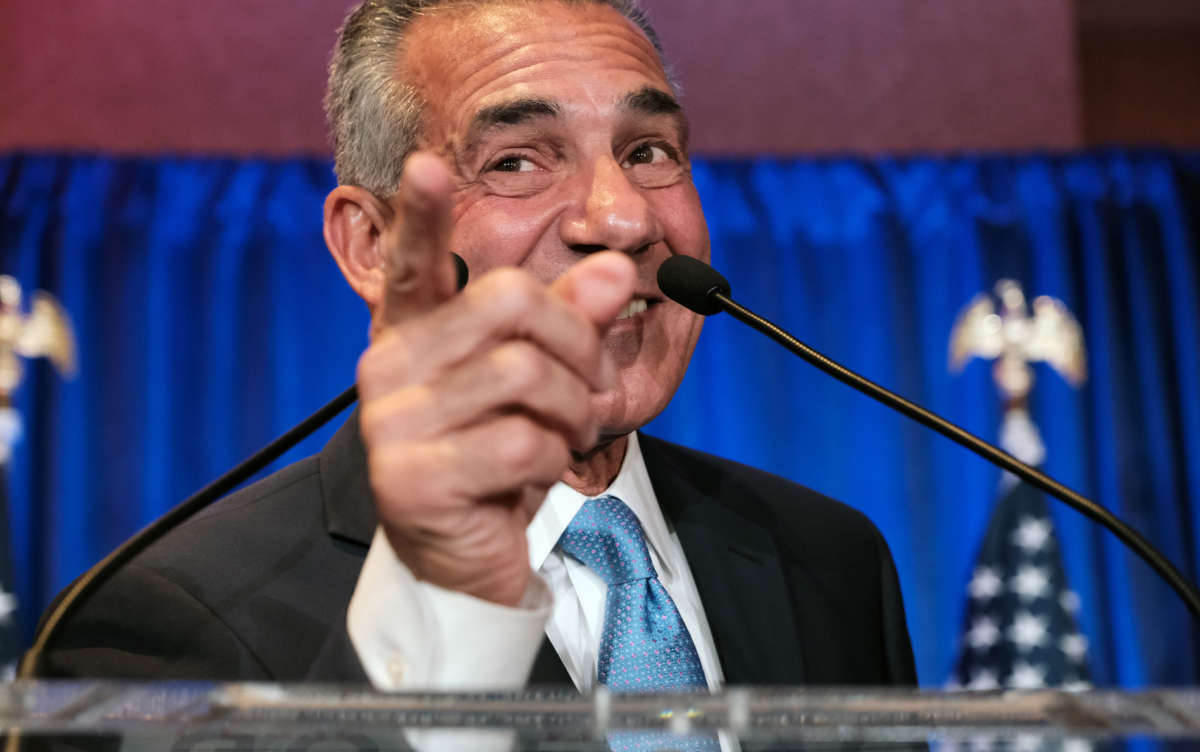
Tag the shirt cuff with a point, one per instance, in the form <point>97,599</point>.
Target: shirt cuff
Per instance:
<point>412,635</point>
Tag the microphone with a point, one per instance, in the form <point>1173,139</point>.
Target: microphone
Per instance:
<point>697,286</point>
<point>692,283</point>
<point>460,270</point>
<point>89,581</point>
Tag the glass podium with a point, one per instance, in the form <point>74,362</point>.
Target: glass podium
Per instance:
<point>213,716</point>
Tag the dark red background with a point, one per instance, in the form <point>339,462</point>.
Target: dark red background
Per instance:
<point>776,76</point>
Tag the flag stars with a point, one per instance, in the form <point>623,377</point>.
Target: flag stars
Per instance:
<point>1074,646</point>
<point>983,679</point>
<point>984,633</point>
<point>8,605</point>
<point>1021,629</point>
<point>985,584</point>
<point>1031,583</point>
<point>1027,631</point>
<point>1027,743</point>
<point>983,743</point>
<point>1027,676</point>
<point>1032,534</point>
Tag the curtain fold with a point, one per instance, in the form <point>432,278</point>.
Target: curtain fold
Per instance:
<point>210,318</point>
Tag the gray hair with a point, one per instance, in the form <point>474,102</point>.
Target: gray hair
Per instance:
<point>374,116</point>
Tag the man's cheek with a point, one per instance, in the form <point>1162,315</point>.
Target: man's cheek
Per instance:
<point>494,233</point>
<point>489,244</point>
<point>678,208</point>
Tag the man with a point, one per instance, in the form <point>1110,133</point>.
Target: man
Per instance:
<point>542,142</point>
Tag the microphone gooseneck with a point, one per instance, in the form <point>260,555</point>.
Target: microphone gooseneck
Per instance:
<point>697,286</point>
<point>92,579</point>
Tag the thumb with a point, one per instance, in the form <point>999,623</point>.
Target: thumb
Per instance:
<point>599,286</point>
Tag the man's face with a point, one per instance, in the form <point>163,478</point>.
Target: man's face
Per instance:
<point>559,126</point>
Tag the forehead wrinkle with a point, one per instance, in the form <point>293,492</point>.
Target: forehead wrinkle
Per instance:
<point>500,40</point>
<point>461,63</point>
<point>478,71</point>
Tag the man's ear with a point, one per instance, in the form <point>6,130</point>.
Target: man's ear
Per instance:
<point>356,222</point>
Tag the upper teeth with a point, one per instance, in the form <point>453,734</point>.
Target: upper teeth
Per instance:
<point>636,306</point>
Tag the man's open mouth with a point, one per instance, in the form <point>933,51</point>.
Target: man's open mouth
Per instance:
<point>636,306</point>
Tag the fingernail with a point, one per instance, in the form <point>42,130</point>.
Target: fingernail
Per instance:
<point>616,273</point>
<point>423,178</point>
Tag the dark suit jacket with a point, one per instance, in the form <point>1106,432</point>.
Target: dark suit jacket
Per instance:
<point>798,589</point>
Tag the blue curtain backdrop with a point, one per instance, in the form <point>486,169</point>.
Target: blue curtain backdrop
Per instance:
<point>210,318</point>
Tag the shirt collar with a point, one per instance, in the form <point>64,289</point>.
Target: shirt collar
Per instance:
<point>632,486</point>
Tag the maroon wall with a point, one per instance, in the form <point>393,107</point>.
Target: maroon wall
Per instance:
<point>796,76</point>
<point>1141,83</point>
<point>144,76</point>
<point>874,75</point>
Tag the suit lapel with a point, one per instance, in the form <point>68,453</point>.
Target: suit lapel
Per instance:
<point>734,561</point>
<point>350,514</point>
<point>737,569</point>
<point>345,489</point>
<point>548,668</point>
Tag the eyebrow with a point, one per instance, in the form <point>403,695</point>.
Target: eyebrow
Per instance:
<point>652,101</point>
<point>509,113</point>
<point>646,100</point>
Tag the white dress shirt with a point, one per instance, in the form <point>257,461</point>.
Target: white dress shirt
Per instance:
<point>413,635</point>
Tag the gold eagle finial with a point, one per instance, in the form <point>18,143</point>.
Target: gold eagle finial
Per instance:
<point>45,332</point>
<point>1014,338</point>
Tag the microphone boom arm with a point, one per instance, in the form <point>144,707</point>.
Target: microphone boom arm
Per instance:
<point>1031,475</point>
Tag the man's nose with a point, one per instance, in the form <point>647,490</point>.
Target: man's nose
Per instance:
<point>610,213</point>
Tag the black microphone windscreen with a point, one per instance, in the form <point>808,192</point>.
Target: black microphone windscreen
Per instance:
<point>691,282</point>
<point>460,268</point>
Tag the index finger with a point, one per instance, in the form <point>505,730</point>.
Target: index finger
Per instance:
<point>419,269</point>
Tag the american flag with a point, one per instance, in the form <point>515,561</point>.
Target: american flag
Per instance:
<point>10,642</point>
<point>1020,629</point>
<point>9,639</point>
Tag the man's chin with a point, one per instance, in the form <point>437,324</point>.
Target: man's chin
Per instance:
<point>619,417</point>
<point>604,442</point>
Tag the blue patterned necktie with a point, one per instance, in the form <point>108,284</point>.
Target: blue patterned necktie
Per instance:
<point>645,646</point>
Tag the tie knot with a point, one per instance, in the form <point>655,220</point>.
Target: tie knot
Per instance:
<point>606,536</point>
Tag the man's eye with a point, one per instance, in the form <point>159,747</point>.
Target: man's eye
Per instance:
<point>648,154</point>
<point>514,164</point>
